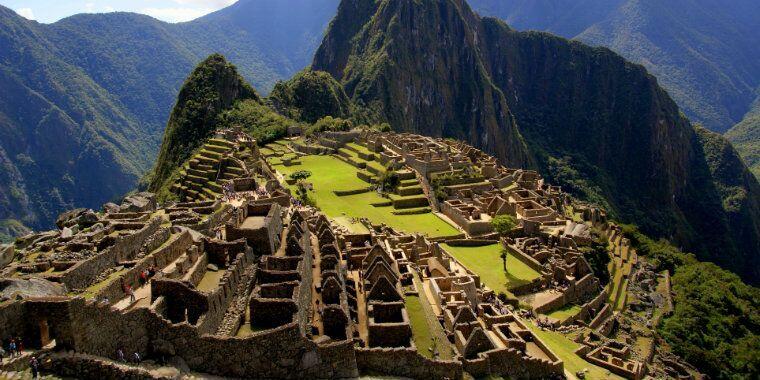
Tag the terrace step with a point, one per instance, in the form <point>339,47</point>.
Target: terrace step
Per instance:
<point>217,148</point>
<point>414,201</point>
<point>405,175</point>
<point>222,142</point>
<point>413,211</point>
<point>209,194</point>
<point>208,174</point>
<point>214,186</point>
<point>211,154</point>
<point>411,190</point>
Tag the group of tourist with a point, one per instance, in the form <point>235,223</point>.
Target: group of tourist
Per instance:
<point>147,274</point>
<point>12,348</point>
<point>135,358</point>
<point>229,192</point>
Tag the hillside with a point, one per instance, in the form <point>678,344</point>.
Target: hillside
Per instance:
<point>593,122</point>
<point>213,86</point>
<point>745,137</point>
<point>86,99</point>
<point>701,51</point>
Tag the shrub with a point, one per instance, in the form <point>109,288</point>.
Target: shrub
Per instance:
<point>503,224</point>
<point>301,174</point>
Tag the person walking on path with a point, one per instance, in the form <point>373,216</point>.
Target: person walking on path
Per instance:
<point>131,294</point>
<point>12,348</point>
<point>34,364</point>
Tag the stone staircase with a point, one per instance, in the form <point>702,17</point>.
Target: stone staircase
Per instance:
<point>201,176</point>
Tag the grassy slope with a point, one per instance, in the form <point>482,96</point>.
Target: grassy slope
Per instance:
<point>486,262</point>
<point>330,174</point>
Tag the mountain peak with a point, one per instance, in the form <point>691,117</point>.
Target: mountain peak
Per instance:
<point>213,86</point>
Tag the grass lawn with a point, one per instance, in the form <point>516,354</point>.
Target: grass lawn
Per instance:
<point>423,337</point>
<point>564,348</point>
<point>330,174</point>
<point>564,312</point>
<point>486,262</point>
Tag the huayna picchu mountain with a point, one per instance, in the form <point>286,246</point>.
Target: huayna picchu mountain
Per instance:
<point>213,86</point>
<point>598,125</point>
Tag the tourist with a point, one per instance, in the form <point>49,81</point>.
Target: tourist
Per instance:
<point>106,301</point>
<point>34,364</point>
<point>120,355</point>
<point>136,357</point>
<point>19,345</point>
<point>12,348</point>
<point>143,277</point>
<point>131,294</point>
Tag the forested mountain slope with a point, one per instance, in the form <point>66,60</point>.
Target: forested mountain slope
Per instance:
<point>703,52</point>
<point>85,100</point>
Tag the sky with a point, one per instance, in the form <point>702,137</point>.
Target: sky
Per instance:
<point>49,11</point>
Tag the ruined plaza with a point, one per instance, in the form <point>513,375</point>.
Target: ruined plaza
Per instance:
<point>334,255</point>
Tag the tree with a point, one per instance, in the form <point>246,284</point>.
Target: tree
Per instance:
<point>504,258</point>
<point>503,224</point>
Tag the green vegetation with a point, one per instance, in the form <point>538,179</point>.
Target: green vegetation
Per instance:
<point>705,70</point>
<point>310,96</point>
<point>329,123</point>
<point>301,174</point>
<point>598,139</point>
<point>487,263</point>
<point>213,87</point>
<point>423,337</point>
<point>745,137</point>
<point>504,224</point>
<point>565,349</point>
<point>85,99</point>
<point>564,312</point>
<point>715,324</point>
<point>260,121</point>
<point>10,229</point>
<point>598,256</point>
<point>330,174</point>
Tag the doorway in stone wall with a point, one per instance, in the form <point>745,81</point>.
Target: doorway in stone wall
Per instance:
<point>44,333</point>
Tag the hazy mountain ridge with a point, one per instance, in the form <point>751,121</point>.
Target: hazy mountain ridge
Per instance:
<point>702,51</point>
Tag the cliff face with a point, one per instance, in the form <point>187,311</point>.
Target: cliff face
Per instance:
<point>415,64</point>
<point>212,87</point>
<point>595,123</point>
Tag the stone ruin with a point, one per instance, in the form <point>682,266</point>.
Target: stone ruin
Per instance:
<point>233,280</point>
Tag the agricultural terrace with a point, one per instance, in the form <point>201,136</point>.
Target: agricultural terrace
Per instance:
<point>329,174</point>
<point>486,262</point>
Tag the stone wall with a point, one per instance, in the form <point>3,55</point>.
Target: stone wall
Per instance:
<point>84,273</point>
<point>405,362</point>
<point>170,251</point>
<point>587,284</point>
<point>588,309</point>
<point>512,363</point>
<point>11,319</point>
<point>87,367</point>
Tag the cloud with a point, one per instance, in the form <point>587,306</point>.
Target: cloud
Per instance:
<point>26,13</point>
<point>175,14</point>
